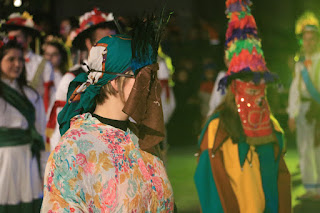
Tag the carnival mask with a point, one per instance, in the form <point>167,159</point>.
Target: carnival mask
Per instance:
<point>254,112</point>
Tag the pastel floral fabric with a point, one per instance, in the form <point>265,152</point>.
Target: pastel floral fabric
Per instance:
<point>99,168</point>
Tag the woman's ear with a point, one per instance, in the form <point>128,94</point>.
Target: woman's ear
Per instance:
<point>114,84</point>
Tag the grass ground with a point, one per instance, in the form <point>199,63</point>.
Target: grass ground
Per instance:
<point>181,166</point>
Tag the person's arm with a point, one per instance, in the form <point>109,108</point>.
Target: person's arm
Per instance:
<point>168,104</point>
<point>216,96</point>
<point>40,122</point>
<point>167,95</point>
<point>63,183</point>
<point>60,98</point>
<point>63,86</point>
<point>172,103</point>
<point>40,125</point>
<point>294,97</point>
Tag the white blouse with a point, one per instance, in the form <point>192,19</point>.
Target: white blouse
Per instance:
<point>19,175</point>
<point>12,118</point>
<point>298,88</point>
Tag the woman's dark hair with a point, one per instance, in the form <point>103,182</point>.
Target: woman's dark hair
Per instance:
<point>64,63</point>
<point>22,79</point>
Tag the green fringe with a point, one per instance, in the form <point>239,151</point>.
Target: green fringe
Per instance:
<point>256,141</point>
<point>241,14</point>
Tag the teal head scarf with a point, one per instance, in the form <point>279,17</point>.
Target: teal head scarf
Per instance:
<point>112,54</point>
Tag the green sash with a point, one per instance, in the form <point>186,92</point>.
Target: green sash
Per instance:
<point>13,136</point>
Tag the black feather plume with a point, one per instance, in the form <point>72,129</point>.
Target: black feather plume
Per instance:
<point>146,36</point>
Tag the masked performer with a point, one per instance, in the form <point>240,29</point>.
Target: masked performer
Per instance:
<point>241,166</point>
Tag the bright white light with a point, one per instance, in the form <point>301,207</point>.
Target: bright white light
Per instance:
<point>242,99</point>
<point>17,3</point>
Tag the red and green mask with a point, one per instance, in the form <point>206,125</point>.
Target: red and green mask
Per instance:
<point>254,112</point>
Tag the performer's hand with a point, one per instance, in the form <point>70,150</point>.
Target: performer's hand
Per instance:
<point>292,124</point>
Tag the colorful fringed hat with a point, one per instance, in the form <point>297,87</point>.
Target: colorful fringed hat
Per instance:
<point>22,21</point>
<point>243,46</point>
<point>91,21</point>
<point>307,22</point>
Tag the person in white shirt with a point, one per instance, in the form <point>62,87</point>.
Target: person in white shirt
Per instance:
<point>300,105</point>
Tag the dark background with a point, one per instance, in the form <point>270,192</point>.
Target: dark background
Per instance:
<point>275,19</point>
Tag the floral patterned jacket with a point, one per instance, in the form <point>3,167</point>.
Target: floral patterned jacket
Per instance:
<point>99,168</point>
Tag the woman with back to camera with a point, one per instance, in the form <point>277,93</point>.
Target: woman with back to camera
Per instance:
<point>100,165</point>
<point>22,119</point>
